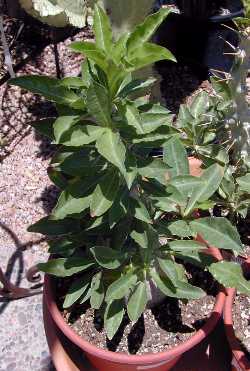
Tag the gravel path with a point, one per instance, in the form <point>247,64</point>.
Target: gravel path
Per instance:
<point>26,195</point>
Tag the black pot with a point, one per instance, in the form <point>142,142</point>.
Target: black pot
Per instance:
<point>208,10</point>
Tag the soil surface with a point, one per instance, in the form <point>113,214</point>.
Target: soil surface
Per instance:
<point>163,327</point>
<point>241,319</point>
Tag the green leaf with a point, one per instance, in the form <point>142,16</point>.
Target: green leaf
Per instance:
<point>73,82</point>
<point>175,156</point>
<point>51,227</point>
<point>69,205</point>
<point>139,211</point>
<point>168,267</point>
<point>102,30</point>
<point>80,135</point>
<point>144,31</point>
<point>148,54</point>
<point>48,87</point>
<point>107,257</point>
<point>211,179</point>
<point>105,193</point>
<point>119,208</point>
<point>196,258</point>
<point>199,104</point>
<point>97,291</point>
<point>218,232</point>
<point>244,183</point>
<point>183,291</point>
<point>186,245</point>
<point>133,117</point>
<point>82,163</point>
<point>113,317</point>
<point>121,287</point>
<point>76,290</point>
<point>230,274</point>
<point>156,117</point>
<point>57,178</point>
<point>91,51</point>
<point>62,125</point>
<point>135,86</point>
<point>98,104</point>
<point>65,267</point>
<point>137,302</point>
<point>64,247</point>
<point>153,169</point>
<point>180,228</point>
<point>145,236</point>
<point>111,147</point>
<point>44,127</point>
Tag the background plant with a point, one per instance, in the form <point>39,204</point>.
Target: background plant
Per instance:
<point>112,211</point>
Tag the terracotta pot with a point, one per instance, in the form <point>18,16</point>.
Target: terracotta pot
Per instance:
<point>239,359</point>
<point>105,360</point>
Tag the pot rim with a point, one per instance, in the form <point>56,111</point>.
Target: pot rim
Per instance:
<point>132,359</point>
<point>234,343</point>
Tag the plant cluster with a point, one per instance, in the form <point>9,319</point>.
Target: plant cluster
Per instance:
<point>126,221</point>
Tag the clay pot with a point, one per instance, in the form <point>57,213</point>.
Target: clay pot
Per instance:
<point>239,359</point>
<point>105,360</point>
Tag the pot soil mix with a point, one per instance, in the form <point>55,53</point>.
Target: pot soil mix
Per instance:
<point>163,327</point>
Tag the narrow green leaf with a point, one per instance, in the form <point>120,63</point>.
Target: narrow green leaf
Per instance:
<point>168,266</point>
<point>80,135</point>
<point>175,156</point>
<point>199,104</point>
<point>244,183</point>
<point>107,257</point>
<point>97,291</point>
<point>218,232</point>
<point>98,104</point>
<point>111,147</point>
<point>50,227</point>
<point>69,205</point>
<point>48,87</point>
<point>137,302</point>
<point>139,211</point>
<point>91,51</point>
<point>230,274</point>
<point>102,30</point>
<point>44,127</point>
<point>156,117</point>
<point>186,245</point>
<point>121,287</point>
<point>113,317</point>
<point>135,86</point>
<point>144,31</point>
<point>148,54</point>
<point>133,118</point>
<point>196,258</point>
<point>62,125</point>
<point>76,290</point>
<point>105,193</point>
<point>211,179</point>
<point>180,228</point>
<point>65,267</point>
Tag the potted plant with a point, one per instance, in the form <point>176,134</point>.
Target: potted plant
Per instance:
<point>127,225</point>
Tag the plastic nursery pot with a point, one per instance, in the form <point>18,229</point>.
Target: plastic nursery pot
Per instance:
<point>240,362</point>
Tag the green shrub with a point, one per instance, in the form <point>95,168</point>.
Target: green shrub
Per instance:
<point>123,217</point>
